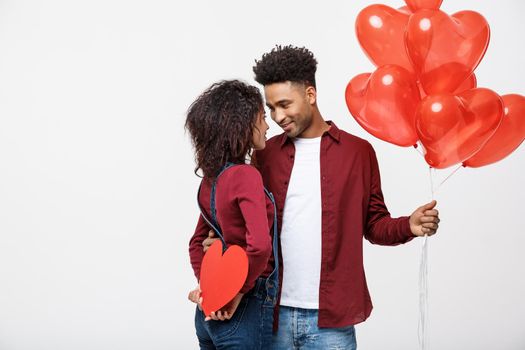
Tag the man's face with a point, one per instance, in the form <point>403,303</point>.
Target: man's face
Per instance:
<point>291,106</point>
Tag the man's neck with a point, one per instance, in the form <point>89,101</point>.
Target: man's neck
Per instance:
<point>318,127</point>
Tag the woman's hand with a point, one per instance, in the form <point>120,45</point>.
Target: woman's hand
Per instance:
<point>227,311</point>
<point>195,296</point>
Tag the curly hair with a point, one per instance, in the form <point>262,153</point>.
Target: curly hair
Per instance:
<point>286,63</point>
<point>221,122</point>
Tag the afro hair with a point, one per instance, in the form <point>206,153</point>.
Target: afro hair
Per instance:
<point>286,63</point>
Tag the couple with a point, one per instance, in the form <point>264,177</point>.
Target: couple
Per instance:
<point>306,275</point>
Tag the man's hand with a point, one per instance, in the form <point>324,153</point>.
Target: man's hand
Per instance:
<point>206,244</point>
<point>424,220</point>
<point>195,296</point>
<point>227,311</point>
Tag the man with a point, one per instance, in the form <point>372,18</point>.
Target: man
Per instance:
<point>328,194</point>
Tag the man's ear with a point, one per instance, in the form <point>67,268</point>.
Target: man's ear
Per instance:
<point>311,94</point>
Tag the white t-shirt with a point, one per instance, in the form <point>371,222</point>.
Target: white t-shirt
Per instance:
<point>301,228</point>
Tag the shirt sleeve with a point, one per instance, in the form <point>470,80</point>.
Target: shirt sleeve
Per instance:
<point>196,249</point>
<point>249,192</point>
<point>381,228</point>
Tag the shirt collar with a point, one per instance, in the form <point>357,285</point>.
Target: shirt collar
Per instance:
<point>333,132</point>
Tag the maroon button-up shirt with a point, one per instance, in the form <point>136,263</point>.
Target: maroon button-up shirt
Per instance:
<point>352,208</point>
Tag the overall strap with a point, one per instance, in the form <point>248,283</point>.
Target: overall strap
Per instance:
<point>213,206</point>
<point>213,222</point>
<point>272,281</point>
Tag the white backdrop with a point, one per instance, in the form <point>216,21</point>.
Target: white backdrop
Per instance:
<point>97,191</point>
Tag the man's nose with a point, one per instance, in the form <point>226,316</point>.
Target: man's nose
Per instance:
<point>278,116</point>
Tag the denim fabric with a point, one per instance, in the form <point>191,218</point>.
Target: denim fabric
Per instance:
<point>298,330</point>
<point>249,328</point>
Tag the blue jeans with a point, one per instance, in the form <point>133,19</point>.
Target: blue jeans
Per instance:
<point>298,330</point>
<point>249,328</point>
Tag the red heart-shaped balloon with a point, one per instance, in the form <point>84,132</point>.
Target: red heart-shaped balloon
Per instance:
<point>355,93</point>
<point>454,127</point>
<point>445,50</point>
<point>405,10</point>
<point>384,104</point>
<point>415,5</point>
<point>469,83</point>
<point>508,137</point>
<point>222,275</point>
<point>380,30</point>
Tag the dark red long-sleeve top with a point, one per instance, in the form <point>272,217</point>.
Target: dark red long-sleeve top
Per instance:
<point>245,216</point>
<point>352,208</point>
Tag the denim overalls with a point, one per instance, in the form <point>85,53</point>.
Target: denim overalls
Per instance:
<point>251,324</point>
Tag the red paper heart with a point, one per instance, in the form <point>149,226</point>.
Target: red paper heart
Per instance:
<point>416,5</point>
<point>380,30</point>
<point>507,138</point>
<point>454,127</point>
<point>444,49</point>
<point>222,275</point>
<point>384,104</point>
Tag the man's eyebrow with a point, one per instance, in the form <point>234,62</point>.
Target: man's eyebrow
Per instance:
<point>280,102</point>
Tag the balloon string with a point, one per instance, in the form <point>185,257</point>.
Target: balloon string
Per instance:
<point>419,151</point>
<point>423,282</point>
<point>423,267</point>
<point>431,177</point>
<point>445,180</point>
<point>423,295</point>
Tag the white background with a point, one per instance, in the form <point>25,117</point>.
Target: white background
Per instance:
<point>97,191</point>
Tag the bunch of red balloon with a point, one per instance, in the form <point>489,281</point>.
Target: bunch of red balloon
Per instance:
<point>424,87</point>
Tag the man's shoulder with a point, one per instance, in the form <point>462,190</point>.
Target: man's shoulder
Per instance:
<point>354,141</point>
<point>275,140</point>
<point>273,144</point>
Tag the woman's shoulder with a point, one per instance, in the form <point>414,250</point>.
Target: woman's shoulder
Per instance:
<point>244,171</point>
<point>242,177</point>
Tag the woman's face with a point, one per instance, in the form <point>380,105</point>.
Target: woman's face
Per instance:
<point>259,132</point>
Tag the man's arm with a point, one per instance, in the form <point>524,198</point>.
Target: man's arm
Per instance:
<point>382,229</point>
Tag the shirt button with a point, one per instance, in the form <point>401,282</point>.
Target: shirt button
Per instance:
<point>286,182</point>
<point>291,157</point>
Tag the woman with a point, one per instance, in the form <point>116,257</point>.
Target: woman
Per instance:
<point>226,123</point>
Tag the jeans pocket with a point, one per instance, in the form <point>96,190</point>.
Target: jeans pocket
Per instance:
<point>223,329</point>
